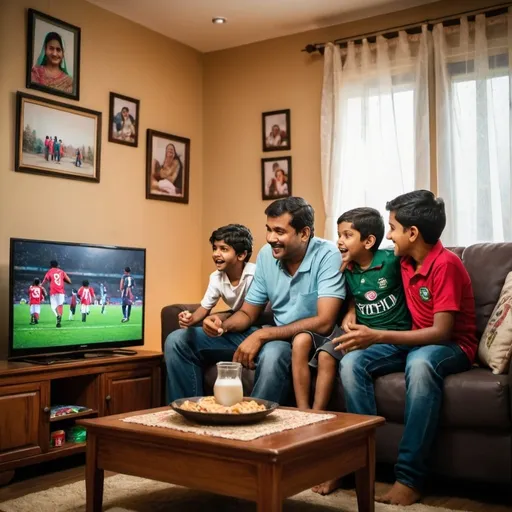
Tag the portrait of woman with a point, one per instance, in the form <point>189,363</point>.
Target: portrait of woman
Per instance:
<point>276,177</point>
<point>124,120</point>
<point>167,167</point>
<point>54,55</point>
<point>276,130</point>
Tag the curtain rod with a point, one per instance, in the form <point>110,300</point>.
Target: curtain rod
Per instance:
<point>414,28</point>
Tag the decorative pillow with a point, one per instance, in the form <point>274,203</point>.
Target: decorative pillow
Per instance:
<point>495,348</point>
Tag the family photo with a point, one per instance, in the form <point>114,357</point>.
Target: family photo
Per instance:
<point>276,176</point>
<point>276,130</point>
<point>53,59</point>
<point>124,120</point>
<point>167,167</point>
<point>56,139</point>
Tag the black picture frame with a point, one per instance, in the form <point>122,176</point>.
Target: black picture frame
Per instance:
<point>39,23</point>
<point>31,153</point>
<point>274,186</point>
<point>123,101</point>
<point>272,141</point>
<point>158,142</point>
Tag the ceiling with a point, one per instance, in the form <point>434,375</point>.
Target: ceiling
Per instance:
<point>189,21</point>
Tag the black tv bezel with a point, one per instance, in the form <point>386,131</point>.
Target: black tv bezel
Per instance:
<point>14,353</point>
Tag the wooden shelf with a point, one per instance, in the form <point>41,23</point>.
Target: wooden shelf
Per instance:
<point>68,447</point>
<point>83,414</point>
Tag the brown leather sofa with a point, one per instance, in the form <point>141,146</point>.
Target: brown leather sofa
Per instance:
<point>475,435</point>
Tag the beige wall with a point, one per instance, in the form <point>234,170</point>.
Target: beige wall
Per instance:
<point>124,57</point>
<point>241,83</point>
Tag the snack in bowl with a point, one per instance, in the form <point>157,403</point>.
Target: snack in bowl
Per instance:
<point>209,405</point>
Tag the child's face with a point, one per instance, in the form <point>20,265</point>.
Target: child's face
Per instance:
<point>349,242</point>
<point>399,235</point>
<point>224,256</point>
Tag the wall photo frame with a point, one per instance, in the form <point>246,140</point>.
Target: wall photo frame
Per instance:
<point>53,55</point>
<point>57,139</point>
<point>276,177</point>
<point>123,124</point>
<point>167,167</point>
<point>276,130</point>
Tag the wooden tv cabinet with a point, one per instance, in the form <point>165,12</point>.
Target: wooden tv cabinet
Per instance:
<point>106,385</point>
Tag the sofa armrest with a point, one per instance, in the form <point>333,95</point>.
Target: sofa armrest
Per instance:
<point>169,318</point>
<point>510,383</point>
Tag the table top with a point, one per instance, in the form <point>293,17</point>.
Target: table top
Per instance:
<point>343,425</point>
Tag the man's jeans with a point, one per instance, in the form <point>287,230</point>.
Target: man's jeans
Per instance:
<point>188,351</point>
<point>425,369</point>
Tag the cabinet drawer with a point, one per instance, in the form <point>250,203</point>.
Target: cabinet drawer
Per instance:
<point>127,391</point>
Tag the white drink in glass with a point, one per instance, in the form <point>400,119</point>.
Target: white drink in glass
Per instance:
<point>228,392</point>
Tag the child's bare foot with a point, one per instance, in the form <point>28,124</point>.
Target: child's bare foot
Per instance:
<point>327,487</point>
<point>400,494</point>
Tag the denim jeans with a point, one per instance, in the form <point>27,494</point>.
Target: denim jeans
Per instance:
<point>425,370</point>
<point>188,351</point>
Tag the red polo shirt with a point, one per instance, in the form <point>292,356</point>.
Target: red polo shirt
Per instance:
<point>441,285</point>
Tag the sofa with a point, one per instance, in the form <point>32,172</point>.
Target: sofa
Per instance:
<point>474,441</point>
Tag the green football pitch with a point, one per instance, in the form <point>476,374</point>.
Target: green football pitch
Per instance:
<point>98,328</point>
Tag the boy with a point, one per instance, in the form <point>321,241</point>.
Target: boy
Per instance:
<point>442,340</point>
<point>36,293</point>
<point>125,287</point>
<point>232,249</point>
<point>86,295</point>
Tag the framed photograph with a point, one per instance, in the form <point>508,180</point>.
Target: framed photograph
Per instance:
<point>276,177</point>
<point>55,139</point>
<point>276,130</point>
<point>53,55</point>
<point>123,125</point>
<point>167,167</point>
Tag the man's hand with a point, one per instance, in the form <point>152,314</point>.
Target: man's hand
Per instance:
<point>348,320</point>
<point>248,350</point>
<point>357,338</point>
<point>212,326</point>
<point>184,319</point>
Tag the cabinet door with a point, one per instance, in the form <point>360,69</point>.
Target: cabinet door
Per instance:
<point>24,425</point>
<point>129,391</point>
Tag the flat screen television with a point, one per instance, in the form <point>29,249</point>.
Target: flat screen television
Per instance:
<point>74,298</point>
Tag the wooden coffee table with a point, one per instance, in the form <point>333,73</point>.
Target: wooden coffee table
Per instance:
<point>266,470</point>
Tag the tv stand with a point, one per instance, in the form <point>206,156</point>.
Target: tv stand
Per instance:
<point>111,384</point>
<point>71,357</point>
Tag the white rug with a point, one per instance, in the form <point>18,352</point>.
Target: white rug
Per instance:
<point>131,494</point>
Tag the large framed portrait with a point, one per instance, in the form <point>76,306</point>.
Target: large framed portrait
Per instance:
<point>276,130</point>
<point>123,126</point>
<point>56,139</point>
<point>53,55</point>
<point>276,177</point>
<point>167,167</point>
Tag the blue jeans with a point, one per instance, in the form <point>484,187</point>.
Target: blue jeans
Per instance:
<point>425,370</point>
<point>187,351</point>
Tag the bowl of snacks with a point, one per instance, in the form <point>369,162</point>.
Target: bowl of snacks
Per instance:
<point>205,409</point>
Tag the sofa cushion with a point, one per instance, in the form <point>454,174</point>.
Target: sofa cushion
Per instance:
<point>495,348</point>
<point>476,398</point>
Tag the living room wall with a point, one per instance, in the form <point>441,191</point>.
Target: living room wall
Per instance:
<point>123,57</point>
<point>241,83</point>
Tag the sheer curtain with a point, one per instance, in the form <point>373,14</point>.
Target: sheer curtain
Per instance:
<point>473,107</point>
<point>374,124</point>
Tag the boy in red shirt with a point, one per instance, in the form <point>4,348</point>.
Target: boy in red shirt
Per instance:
<point>36,293</point>
<point>442,340</point>
<point>86,296</point>
<point>56,277</point>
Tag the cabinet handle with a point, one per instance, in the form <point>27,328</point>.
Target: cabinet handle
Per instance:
<point>108,398</point>
<point>46,409</point>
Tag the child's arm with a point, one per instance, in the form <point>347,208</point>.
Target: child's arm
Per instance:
<point>350,316</point>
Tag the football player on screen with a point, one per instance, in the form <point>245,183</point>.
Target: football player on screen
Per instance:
<point>36,294</point>
<point>125,287</point>
<point>56,277</point>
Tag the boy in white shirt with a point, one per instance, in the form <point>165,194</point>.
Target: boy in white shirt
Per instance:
<point>232,249</point>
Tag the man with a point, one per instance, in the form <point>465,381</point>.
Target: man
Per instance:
<point>103,299</point>
<point>300,276</point>
<point>125,287</point>
<point>56,277</point>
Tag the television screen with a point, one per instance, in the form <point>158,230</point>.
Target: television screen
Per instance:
<point>67,296</point>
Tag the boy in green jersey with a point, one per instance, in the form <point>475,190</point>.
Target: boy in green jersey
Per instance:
<point>377,300</point>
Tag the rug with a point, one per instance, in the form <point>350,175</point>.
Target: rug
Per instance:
<point>131,494</point>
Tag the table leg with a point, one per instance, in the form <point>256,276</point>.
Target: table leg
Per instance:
<point>93,477</point>
<point>269,489</point>
<point>365,479</point>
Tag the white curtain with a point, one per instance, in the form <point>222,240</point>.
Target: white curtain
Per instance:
<point>374,124</point>
<point>473,116</point>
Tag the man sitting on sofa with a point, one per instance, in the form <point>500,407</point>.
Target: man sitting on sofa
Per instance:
<point>300,276</point>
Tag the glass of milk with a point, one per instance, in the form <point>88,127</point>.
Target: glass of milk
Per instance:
<point>228,388</point>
